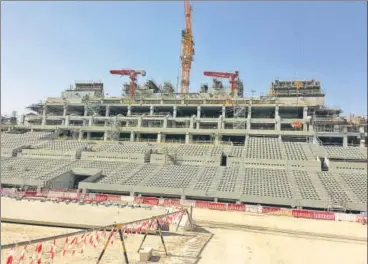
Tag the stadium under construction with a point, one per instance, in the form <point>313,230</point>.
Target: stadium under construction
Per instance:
<point>286,148</point>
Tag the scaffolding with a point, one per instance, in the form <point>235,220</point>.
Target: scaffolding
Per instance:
<point>240,116</point>
<point>93,106</point>
<point>113,132</point>
<point>328,123</point>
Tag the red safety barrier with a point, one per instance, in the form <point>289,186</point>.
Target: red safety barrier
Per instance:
<point>302,214</point>
<point>146,200</point>
<point>100,198</point>
<point>30,194</point>
<point>324,215</point>
<point>171,202</point>
<point>268,209</point>
<point>236,207</point>
<point>210,205</point>
<point>113,198</point>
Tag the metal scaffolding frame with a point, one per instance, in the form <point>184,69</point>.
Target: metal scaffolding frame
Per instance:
<point>93,106</point>
<point>240,116</point>
<point>113,133</point>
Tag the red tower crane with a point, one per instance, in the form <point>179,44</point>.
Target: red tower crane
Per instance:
<point>133,77</point>
<point>233,78</point>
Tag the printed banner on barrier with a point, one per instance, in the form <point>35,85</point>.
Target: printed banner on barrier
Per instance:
<point>210,205</point>
<point>236,207</point>
<point>249,208</point>
<point>268,209</point>
<point>302,214</point>
<point>171,202</point>
<point>324,215</point>
<point>146,200</point>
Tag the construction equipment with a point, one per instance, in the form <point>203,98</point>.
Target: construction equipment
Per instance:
<point>133,77</point>
<point>187,49</point>
<point>233,78</point>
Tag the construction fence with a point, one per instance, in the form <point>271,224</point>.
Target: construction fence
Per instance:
<point>73,195</point>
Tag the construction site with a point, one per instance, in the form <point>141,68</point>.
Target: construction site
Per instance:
<point>164,175</point>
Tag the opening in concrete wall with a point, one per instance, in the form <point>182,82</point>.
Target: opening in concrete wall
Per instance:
<point>331,141</point>
<point>236,140</point>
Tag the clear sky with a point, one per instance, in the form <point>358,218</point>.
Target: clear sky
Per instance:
<point>46,46</point>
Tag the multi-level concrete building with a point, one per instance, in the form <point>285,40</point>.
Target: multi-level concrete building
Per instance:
<point>286,148</point>
<point>291,109</point>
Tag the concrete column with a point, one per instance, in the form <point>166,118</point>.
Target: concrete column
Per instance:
<point>67,120</point>
<point>65,110</point>
<point>191,125</point>
<point>132,135</point>
<point>105,136</point>
<point>217,139</point>
<point>174,111</point>
<point>88,135</point>
<point>44,114</point>
<point>345,141</point>
<point>165,122</point>
<point>139,122</point>
<point>129,110</point>
<point>197,124</point>
<point>219,122</point>
<point>362,143</point>
<point>188,138</point>
<point>305,112</point>
<point>107,114</point>
<point>198,112</point>
<point>277,119</point>
<point>305,118</point>
<point>90,121</point>
<point>85,110</point>
<point>81,135</point>
<point>277,111</point>
<point>159,138</point>
<point>223,111</point>
<point>249,117</point>
<point>152,108</point>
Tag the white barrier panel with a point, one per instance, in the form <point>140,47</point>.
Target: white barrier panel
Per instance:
<point>187,203</point>
<point>71,195</point>
<point>127,199</point>
<point>53,194</point>
<point>161,201</point>
<point>253,208</point>
<point>345,217</point>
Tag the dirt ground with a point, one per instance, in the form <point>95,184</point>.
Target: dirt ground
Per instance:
<point>209,244</point>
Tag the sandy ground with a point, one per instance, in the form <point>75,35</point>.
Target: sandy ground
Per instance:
<point>208,245</point>
<point>82,214</point>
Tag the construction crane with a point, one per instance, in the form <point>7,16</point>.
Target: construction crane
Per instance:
<point>233,78</point>
<point>133,77</point>
<point>187,49</point>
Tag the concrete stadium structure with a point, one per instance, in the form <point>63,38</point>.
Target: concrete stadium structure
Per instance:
<point>286,148</point>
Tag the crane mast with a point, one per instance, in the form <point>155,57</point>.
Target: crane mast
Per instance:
<point>187,49</point>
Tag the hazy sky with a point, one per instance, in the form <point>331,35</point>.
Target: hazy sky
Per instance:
<point>46,46</point>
